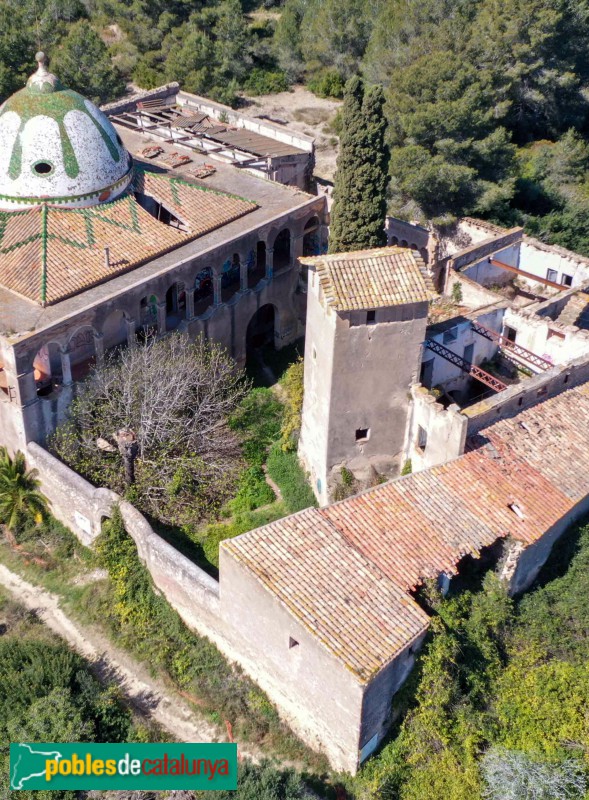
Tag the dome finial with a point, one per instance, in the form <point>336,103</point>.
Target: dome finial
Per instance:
<point>42,80</point>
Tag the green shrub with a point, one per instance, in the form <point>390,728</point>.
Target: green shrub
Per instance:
<point>285,469</point>
<point>407,467</point>
<point>293,383</point>
<point>327,83</point>
<point>253,491</point>
<point>217,532</point>
<point>263,81</point>
<point>257,422</point>
<point>457,292</point>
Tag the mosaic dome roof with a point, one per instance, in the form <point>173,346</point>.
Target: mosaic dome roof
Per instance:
<point>57,147</point>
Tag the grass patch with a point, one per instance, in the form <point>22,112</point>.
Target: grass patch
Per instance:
<point>285,469</point>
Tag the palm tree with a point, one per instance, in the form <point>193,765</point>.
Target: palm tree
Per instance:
<point>19,492</point>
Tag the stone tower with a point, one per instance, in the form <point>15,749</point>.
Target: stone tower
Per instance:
<point>366,320</point>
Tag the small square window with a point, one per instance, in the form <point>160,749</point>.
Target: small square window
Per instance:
<point>292,643</point>
<point>362,434</point>
<point>450,335</point>
<point>551,275</point>
<point>371,316</point>
<point>566,280</point>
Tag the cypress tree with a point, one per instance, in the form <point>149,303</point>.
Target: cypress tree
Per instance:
<point>359,205</point>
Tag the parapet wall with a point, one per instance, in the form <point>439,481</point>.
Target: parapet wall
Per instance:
<point>165,93</point>
<point>489,246</point>
<point>263,127</point>
<point>445,431</point>
<point>514,399</point>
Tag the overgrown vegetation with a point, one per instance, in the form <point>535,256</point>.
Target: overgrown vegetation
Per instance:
<point>497,705</point>
<point>48,694</point>
<point>143,621</point>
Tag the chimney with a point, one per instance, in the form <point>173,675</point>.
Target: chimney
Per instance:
<point>107,257</point>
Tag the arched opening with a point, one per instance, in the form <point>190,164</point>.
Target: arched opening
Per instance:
<point>203,291</point>
<point>229,279</point>
<point>114,330</point>
<point>424,254</point>
<point>394,240</point>
<point>47,369</point>
<point>147,317</point>
<point>282,247</point>
<point>256,265</point>
<point>175,306</point>
<point>82,352</point>
<point>260,335</point>
<point>414,247</point>
<point>404,243</point>
<point>159,211</point>
<point>312,237</point>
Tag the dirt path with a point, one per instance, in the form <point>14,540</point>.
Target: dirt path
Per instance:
<point>149,696</point>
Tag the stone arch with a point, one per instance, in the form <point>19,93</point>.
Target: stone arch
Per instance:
<point>312,236</point>
<point>175,305</point>
<point>394,240</point>
<point>414,247</point>
<point>261,329</point>
<point>204,290</point>
<point>230,278</point>
<point>148,314</point>
<point>47,368</point>
<point>81,347</point>
<point>256,264</point>
<point>114,330</point>
<point>282,250</point>
<point>404,243</point>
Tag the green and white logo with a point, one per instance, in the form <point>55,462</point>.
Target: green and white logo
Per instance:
<point>122,766</point>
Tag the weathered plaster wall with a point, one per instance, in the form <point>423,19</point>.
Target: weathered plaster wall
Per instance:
<point>518,397</point>
<point>557,343</point>
<point>321,699</point>
<point>377,711</point>
<point>223,316</point>
<point>532,558</point>
<point>474,295</point>
<point>318,378</point>
<point>538,257</point>
<point>445,430</point>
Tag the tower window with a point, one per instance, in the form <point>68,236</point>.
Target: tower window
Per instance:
<point>292,643</point>
<point>421,438</point>
<point>362,434</point>
<point>371,316</point>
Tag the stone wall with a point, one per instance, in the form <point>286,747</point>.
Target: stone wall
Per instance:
<point>557,343</point>
<point>474,295</point>
<point>490,246</point>
<point>445,431</point>
<point>83,507</point>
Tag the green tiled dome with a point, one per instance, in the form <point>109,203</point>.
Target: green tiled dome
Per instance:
<point>58,147</point>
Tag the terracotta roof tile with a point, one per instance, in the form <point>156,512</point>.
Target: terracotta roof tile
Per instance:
<point>389,276</point>
<point>346,570</point>
<point>47,254</point>
<point>355,610</point>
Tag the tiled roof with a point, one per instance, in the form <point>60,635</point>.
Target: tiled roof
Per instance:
<point>365,279</point>
<point>49,253</point>
<point>525,474</point>
<point>354,609</point>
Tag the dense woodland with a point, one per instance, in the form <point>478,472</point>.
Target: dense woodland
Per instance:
<point>486,100</point>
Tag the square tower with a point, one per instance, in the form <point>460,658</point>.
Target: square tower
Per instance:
<point>366,320</point>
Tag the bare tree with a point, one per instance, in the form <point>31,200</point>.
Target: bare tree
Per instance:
<point>156,416</point>
<point>513,775</point>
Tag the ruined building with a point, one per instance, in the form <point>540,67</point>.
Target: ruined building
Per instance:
<point>109,233</point>
<point>463,360</point>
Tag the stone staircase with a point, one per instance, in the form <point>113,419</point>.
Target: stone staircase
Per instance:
<point>576,311</point>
